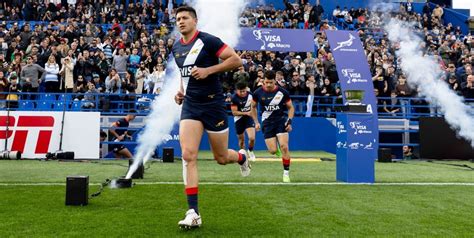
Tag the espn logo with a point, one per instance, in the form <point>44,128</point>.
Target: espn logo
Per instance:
<point>22,126</point>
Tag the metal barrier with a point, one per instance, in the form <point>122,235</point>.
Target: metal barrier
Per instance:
<point>114,106</point>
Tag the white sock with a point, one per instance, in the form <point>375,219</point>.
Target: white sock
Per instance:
<point>286,172</point>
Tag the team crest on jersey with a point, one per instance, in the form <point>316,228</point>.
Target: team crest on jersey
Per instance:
<point>221,123</point>
<point>195,51</point>
<point>176,55</point>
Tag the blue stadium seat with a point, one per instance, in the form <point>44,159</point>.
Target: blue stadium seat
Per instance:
<point>48,97</point>
<point>66,96</point>
<point>76,106</point>
<point>26,105</point>
<point>44,105</point>
<point>59,106</point>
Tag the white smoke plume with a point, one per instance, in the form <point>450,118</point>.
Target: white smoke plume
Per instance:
<point>217,17</point>
<point>160,122</point>
<point>220,18</point>
<point>424,73</point>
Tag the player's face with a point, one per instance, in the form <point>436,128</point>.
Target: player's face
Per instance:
<point>241,92</point>
<point>269,84</point>
<point>186,22</point>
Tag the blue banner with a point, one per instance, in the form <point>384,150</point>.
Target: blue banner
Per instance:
<point>283,40</point>
<point>354,73</point>
<point>356,146</point>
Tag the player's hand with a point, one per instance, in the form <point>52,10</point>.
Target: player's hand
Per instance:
<point>288,127</point>
<point>179,97</point>
<point>120,138</point>
<point>257,126</point>
<point>199,73</point>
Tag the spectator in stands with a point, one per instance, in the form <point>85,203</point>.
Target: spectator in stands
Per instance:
<point>80,86</point>
<point>4,86</point>
<point>380,81</point>
<point>311,85</point>
<point>392,106</point>
<point>158,77</point>
<point>13,91</point>
<point>141,76</point>
<point>133,61</point>
<point>51,77</point>
<point>315,14</point>
<point>241,75</point>
<point>67,74</point>
<point>453,83</point>
<point>30,76</point>
<point>280,80</point>
<point>120,62</point>
<point>468,87</point>
<point>327,90</point>
<point>438,12</point>
<point>89,100</point>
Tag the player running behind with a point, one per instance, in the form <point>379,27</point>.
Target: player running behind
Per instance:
<point>244,117</point>
<point>276,124</point>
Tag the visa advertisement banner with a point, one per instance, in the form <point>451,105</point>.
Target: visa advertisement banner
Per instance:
<point>273,39</point>
<point>354,74</point>
<point>356,148</point>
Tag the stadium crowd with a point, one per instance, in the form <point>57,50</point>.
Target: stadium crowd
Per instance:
<point>93,47</point>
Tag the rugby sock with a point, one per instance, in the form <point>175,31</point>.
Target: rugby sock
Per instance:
<point>242,159</point>
<point>286,163</point>
<point>250,148</point>
<point>192,194</point>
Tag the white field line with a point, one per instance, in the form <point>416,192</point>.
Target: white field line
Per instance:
<point>268,184</point>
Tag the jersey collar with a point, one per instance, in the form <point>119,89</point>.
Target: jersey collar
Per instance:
<point>274,90</point>
<point>191,40</point>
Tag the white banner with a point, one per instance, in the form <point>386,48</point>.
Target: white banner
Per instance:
<point>36,133</point>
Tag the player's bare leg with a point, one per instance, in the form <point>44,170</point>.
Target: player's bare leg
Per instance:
<point>251,135</point>
<point>219,145</point>
<point>272,145</point>
<point>241,138</point>
<point>190,133</point>
<point>283,141</point>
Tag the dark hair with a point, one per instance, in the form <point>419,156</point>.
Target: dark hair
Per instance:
<point>189,9</point>
<point>241,85</point>
<point>270,74</point>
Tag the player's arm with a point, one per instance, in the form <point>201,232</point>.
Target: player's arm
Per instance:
<point>253,113</point>
<point>291,114</point>
<point>236,112</point>
<point>113,132</point>
<point>230,61</point>
<point>179,97</point>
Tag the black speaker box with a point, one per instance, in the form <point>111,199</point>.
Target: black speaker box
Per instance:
<point>66,155</point>
<point>77,190</point>
<point>385,155</point>
<point>439,141</point>
<point>138,174</point>
<point>168,155</point>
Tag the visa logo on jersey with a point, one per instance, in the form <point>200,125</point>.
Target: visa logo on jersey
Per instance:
<point>272,108</point>
<point>186,71</point>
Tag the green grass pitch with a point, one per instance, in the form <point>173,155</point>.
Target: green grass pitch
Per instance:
<point>32,196</point>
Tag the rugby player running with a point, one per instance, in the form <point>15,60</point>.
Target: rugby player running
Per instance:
<point>197,55</point>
